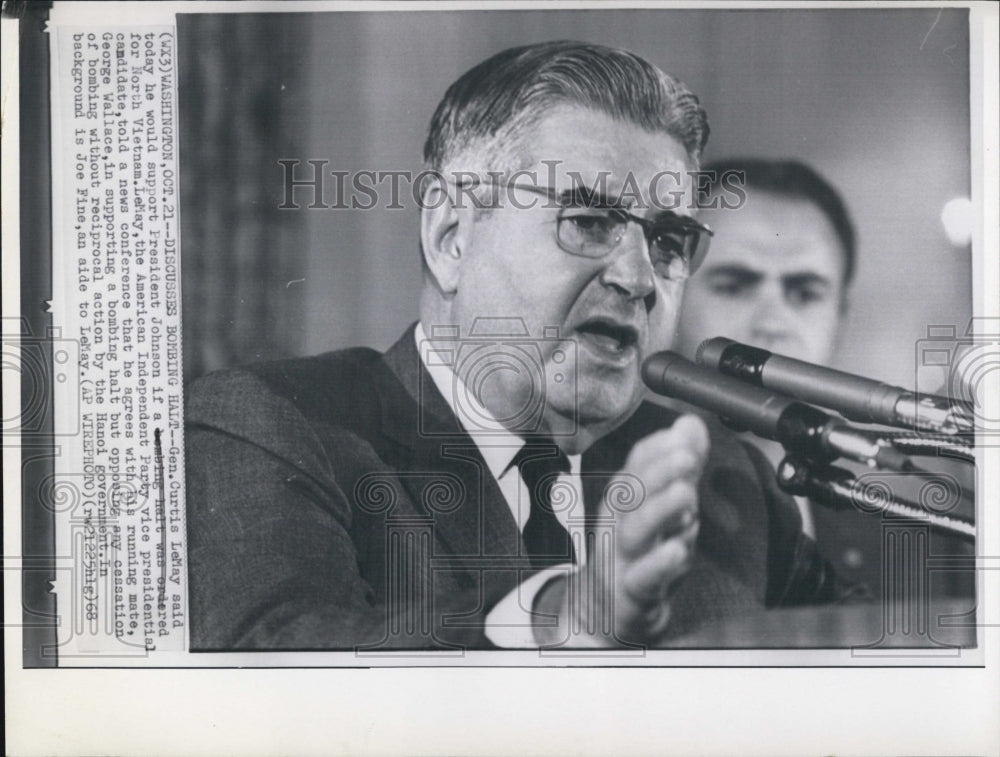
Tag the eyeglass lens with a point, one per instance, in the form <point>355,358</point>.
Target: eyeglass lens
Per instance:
<point>594,232</point>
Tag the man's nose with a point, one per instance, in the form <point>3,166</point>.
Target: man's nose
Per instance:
<point>772,318</point>
<point>628,268</point>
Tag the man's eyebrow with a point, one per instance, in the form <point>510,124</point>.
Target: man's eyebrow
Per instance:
<point>581,196</point>
<point>807,278</point>
<point>734,271</point>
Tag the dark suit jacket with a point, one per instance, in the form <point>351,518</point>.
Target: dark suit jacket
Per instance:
<point>334,502</point>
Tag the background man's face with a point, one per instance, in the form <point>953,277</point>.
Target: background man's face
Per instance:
<point>772,278</point>
<point>615,309</point>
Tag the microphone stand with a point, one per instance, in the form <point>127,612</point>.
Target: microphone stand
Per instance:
<point>814,477</point>
<point>813,439</point>
<point>944,445</point>
<point>838,488</point>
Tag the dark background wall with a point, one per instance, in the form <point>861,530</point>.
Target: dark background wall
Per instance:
<point>876,100</point>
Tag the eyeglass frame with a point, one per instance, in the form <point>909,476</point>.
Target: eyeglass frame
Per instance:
<point>649,227</point>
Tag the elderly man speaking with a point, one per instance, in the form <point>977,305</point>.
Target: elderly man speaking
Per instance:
<point>495,479</point>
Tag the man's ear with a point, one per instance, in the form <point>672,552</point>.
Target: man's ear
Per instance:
<point>445,234</point>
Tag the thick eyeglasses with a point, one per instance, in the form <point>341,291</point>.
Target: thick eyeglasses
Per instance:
<point>593,227</point>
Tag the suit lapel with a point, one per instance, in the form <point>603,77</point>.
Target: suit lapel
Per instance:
<point>442,469</point>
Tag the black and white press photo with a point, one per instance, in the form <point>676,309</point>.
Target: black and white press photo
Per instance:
<point>500,377</point>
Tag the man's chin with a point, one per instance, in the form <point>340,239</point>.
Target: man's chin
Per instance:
<point>602,406</point>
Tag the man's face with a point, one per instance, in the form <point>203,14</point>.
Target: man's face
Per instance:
<point>615,309</point>
<point>772,278</point>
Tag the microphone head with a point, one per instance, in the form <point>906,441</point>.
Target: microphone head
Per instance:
<point>709,352</point>
<point>655,366</point>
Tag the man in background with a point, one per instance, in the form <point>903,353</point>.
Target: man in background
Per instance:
<point>779,277</point>
<point>783,257</point>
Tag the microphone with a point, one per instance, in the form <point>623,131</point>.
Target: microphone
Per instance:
<point>800,428</point>
<point>856,398</point>
<point>838,488</point>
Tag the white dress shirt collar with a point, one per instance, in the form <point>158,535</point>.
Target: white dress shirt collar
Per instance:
<point>497,445</point>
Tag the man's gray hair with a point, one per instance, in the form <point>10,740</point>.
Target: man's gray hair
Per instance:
<point>484,114</point>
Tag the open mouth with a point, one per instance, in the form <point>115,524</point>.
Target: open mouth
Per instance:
<point>609,336</point>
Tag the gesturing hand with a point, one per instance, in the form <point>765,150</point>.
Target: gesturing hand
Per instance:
<point>621,594</point>
<point>654,543</point>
